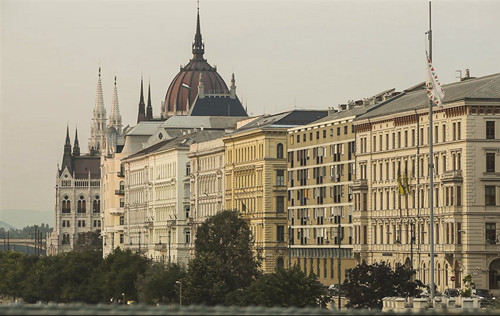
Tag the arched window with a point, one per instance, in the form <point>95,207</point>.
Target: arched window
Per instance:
<point>280,263</point>
<point>82,205</point>
<point>96,207</point>
<point>279,150</point>
<point>66,205</point>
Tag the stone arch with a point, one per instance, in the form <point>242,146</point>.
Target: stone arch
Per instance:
<point>494,274</point>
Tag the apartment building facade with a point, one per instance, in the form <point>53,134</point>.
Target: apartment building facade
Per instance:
<point>392,185</point>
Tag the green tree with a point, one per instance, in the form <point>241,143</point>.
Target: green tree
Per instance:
<point>224,260</point>
<point>14,266</point>
<point>158,285</point>
<point>284,288</point>
<point>369,284</point>
<point>120,271</point>
<point>469,285</point>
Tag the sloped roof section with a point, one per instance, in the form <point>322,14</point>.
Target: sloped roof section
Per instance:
<point>181,141</point>
<point>217,105</point>
<point>285,119</point>
<point>481,88</point>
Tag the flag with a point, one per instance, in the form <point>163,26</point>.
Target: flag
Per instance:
<point>400,184</point>
<point>185,85</point>
<point>434,90</point>
<point>405,183</point>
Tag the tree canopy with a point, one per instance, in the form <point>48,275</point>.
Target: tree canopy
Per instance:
<point>367,284</point>
<point>224,260</point>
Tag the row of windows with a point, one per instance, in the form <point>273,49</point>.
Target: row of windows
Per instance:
<point>447,233</point>
<point>81,205</point>
<point>338,130</point>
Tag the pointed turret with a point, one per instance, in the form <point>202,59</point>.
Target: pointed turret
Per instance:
<point>66,161</point>
<point>198,46</point>
<point>98,125</point>
<point>115,119</point>
<point>141,116</point>
<point>149,110</point>
<point>232,91</point>
<point>76,145</point>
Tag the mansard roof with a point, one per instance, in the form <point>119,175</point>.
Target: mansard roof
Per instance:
<point>218,105</point>
<point>285,119</point>
<point>481,88</point>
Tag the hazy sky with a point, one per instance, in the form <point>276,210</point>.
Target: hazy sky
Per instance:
<point>285,55</point>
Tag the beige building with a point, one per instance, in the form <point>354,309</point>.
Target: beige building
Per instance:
<point>320,199</point>
<point>255,180</point>
<point>392,142</point>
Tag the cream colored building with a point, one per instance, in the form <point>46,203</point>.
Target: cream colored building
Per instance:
<point>255,180</point>
<point>206,180</point>
<point>393,138</point>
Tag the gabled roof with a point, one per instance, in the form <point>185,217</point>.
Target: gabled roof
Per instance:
<point>481,88</point>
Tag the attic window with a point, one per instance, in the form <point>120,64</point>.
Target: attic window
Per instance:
<point>160,136</point>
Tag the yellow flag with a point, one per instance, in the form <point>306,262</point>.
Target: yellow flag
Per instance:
<point>400,184</point>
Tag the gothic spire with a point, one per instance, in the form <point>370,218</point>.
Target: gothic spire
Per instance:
<point>66,161</point>
<point>98,124</point>
<point>141,116</point>
<point>68,141</point>
<point>115,119</point>
<point>76,145</point>
<point>149,112</point>
<point>198,46</point>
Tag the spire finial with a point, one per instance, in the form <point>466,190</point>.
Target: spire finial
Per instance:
<point>198,46</point>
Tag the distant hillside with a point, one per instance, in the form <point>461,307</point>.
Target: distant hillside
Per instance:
<point>22,218</point>
<point>6,226</point>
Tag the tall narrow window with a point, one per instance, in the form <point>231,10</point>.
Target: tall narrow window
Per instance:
<point>280,233</point>
<point>279,151</point>
<point>490,231</point>
<point>490,129</point>
<point>280,204</point>
<point>490,162</point>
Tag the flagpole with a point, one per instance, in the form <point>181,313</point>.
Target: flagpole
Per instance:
<point>431,174</point>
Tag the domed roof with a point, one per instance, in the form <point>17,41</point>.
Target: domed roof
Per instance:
<point>183,89</point>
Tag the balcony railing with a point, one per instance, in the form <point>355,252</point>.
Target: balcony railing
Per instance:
<point>452,176</point>
<point>120,192</point>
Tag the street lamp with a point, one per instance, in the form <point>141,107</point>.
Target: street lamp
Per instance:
<point>180,292</point>
<point>123,295</point>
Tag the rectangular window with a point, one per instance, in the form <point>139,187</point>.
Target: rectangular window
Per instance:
<point>280,204</point>
<point>122,238</point>
<point>280,177</point>
<point>444,133</point>
<point>490,230</point>
<point>188,169</point>
<point>490,162</point>
<point>187,236</point>
<point>489,195</point>
<point>280,233</point>
<point>490,130</point>
<point>338,131</point>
